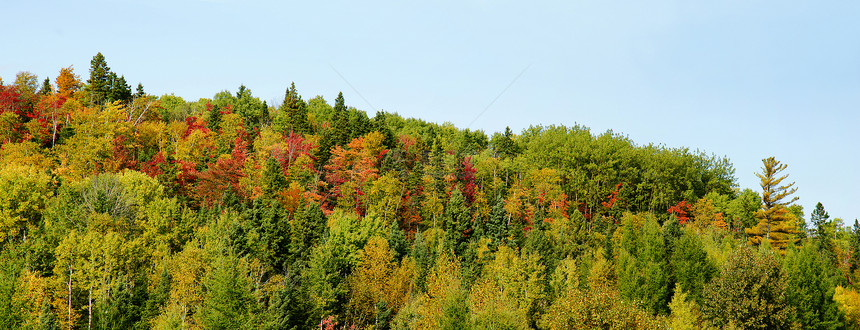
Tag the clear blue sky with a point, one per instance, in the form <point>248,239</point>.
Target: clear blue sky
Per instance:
<point>744,79</point>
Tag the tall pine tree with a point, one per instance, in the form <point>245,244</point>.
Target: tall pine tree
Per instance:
<point>99,84</point>
<point>775,221</point>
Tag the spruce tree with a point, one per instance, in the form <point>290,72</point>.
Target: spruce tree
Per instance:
<point>774,218</point>
<point>99,84</point>
<point>119,89</point>
<point>296,110</point>
<point>139,93</point>
<point>340,121</point>
<point>46,87</point>
<point>820,223</point>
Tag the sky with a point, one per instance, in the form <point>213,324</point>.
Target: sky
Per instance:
<point>742,79</point>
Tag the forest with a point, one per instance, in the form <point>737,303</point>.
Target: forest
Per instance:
<point>125,210</point>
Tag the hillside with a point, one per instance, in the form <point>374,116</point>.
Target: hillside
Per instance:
<point>126,210</point>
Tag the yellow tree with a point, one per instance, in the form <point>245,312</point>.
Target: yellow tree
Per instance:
<point>379,282</point>
<point>776,223</point>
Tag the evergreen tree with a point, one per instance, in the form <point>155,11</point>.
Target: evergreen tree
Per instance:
<point>46,87</point>
<point>119,89</point>
<point>340,121</point>
<point>821,223</point>
<point>296,111</point>
<point>503,144</point>
<point>691,265</point>
<point>774,218</point>
<point>810,288</point>
<point>457,222</point>
<point>213,121</point>
<point>139,92</point>
<point>99,83</point>
<point>379,125</point>
<point>642,268</point>
<point>854,248</point>
<point>228,299</point>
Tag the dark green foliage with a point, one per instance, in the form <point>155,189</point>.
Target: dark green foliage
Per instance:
<point>119,89</point>
<point>854,247</point>
<point>397,242</point>
<point>307,229</point>
<point>47,319</point>
<point>139,92</point>
<point>10,268</point>
<point>749,292</point>
<point>821,230</point>
<point>290,306</point>
<point>359,124</point>
<point>457,222</point>
<point>274,177</point>
<point>379,125</point>
<point>691,265</point>
<point>424,257</point>
<point>122,310</point>
<point>642,268</point>
<point>271,224</point>
<point>497,227</point>
<point>46,87</point>
<point>99,83</point>
<point>213,120</point>
<point>105,86</point>
<point>156,299</point>
<point>810,288</point>
<point>254,113</point>
<point>228,302</point>
<point>293,115</point>
<point>504,145</point>
<point>455,314</point>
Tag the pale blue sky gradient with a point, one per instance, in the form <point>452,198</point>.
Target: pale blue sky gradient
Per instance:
<point>744,79</point>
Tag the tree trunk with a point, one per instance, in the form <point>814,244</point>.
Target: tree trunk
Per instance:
<point>70,296</point>
<point>90,308</point>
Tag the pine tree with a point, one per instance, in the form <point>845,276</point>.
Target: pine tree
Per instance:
<point>296,110</point>
<point>46,87</point>
<point>340,121</point>
<point>119,89</point>
<point>774,218</point>
<point>99,84</point>
<point>820,222</point>
<point>139,93</point>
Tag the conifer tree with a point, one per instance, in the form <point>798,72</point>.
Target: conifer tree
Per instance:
<point>119,89</point>
<point>139,92</point>
<point>774,218</point>
<point>46,87</point>
<point>296,110</point>
<point>340,121</point>
<point>99,84</point>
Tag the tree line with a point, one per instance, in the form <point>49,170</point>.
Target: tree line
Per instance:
<point>122,209</point>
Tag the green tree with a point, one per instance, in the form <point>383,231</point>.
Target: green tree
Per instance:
<point>642,268</point>
<point>692,266</point>
<point>46,87</point>
<point>810,288</point>
<point>99,83</point>
<point>775,222</point>
<point>749,293</point>
<point>457,222</point>
<point>139,92</point>
<point>119,89</point>
<point>293,114</point>
<point>820,230</point>
<point>340,121</point>
<point>228,301</point>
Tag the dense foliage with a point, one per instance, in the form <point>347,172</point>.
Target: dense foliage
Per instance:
<point>127,210</point>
